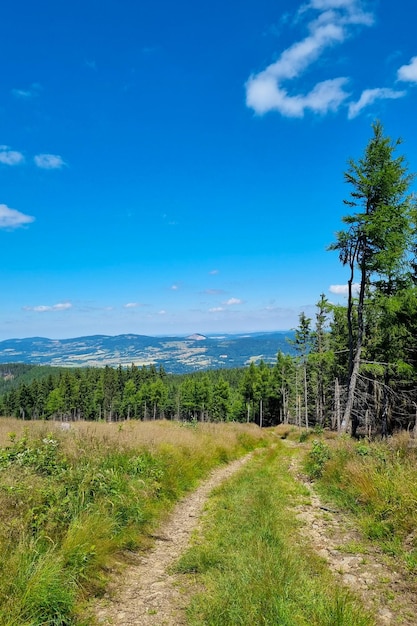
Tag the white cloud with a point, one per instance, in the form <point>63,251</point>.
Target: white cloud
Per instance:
<point>42,308</point>
<point>265,92</point>
<point>232,301</point>
<point>25,94</point>
<point>216,309</point>
<point>174,287</point>
<point>369,96</point>
<point>354,12</point>
<point>343,289</point>
<point>131,305</point>
<point>49,161</point>
<point>162,312</point>
<point>22,93</point>
<point>10,157</point>
<point>214,272</point>
<point>10,218</point>
<point>408,73</point>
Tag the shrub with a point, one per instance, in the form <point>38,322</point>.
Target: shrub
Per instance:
<point>317,458</point>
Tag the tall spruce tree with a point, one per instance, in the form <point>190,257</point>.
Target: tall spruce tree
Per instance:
<point>375,243</point>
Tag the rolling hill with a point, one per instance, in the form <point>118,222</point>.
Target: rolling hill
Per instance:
<point>175,354</point>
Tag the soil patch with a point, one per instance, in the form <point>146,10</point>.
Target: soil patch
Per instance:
<point>355,562</point>
<point>147,593</point>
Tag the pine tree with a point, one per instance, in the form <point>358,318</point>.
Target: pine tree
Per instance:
<point>376,240</point>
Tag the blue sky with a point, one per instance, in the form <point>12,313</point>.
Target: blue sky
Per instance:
<point>177,167</point>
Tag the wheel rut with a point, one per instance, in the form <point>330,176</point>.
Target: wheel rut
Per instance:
<point>148,593</point>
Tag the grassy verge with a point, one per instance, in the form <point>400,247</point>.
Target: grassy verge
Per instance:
<point>69,500</point>
<point>377,482</point>
<point>252,562</point>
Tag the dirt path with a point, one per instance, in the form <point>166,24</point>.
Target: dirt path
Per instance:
<point>355,562</point>
<point>148,595</point>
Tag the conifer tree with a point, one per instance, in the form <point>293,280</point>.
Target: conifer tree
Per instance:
<point>376,239</point>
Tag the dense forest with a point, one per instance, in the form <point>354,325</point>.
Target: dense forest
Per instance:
<point>355,367</point>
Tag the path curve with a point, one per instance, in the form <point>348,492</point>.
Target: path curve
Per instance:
<point>148,594</point>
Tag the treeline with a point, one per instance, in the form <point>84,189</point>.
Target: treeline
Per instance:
<point>355,368</point>
<point>309,389</point>
<point>13,374</point>
<point>149,393</point>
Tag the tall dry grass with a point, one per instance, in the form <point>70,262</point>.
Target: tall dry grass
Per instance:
<point>70,498</point>
<point>377,481</point>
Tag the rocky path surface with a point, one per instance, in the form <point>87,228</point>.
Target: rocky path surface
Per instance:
<point>356,563</point>
<point>148,594</point>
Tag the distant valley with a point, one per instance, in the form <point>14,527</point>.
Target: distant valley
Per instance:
<point>176,354</point>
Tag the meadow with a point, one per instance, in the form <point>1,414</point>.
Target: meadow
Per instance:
<point>252,562</point>
<point>73,499</point>
<point>376,482</point>
<point>76,499</point>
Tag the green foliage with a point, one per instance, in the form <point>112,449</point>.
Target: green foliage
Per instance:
<point>376,246</point>
<point>317,458</point>
<point>42,456</point>
<point>378,483</point>
<point>38,592</point>
<point>253,565</point>
<point>68,502</point>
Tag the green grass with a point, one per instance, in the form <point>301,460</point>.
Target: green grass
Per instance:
<point>377,482</point>
<point>70,501</point>
<point>252,562</point>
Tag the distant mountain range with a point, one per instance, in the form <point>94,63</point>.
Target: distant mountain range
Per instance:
<point>175,354</point>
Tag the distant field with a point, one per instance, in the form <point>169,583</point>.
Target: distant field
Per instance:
<point>177,354</point>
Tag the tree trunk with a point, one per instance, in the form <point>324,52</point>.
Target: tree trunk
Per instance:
<point>305,395</point>
<point>350,421</point>
<point>337,404</point>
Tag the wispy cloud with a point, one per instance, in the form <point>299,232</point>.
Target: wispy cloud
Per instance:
<point>43,308</point>
<point>408,73</point>
<point>132,305</point>
<point>91,64</point>
<point>49,161</point>
<point>44,161</point>
<point>265,90</point>
<point>10,218</point>
<point>214,292</point>
<point>343,289</point>
<point>214,272</point>
<point>369,96</point>
<point>174,287</point>
<point>170,221</point>
<point>216,309</point>
<point>335,22</point>
<point>10,157</point>
<point>233,301</point>
<point>26,94</point>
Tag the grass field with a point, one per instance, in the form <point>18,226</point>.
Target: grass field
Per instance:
<point>71,499</point>
<point>377,483</point>
<point>253,562</point>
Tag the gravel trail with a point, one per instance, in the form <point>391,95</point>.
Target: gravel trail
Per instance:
<point>147,594</point>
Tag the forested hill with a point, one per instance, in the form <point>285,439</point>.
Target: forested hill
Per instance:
<point>175,354</point>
